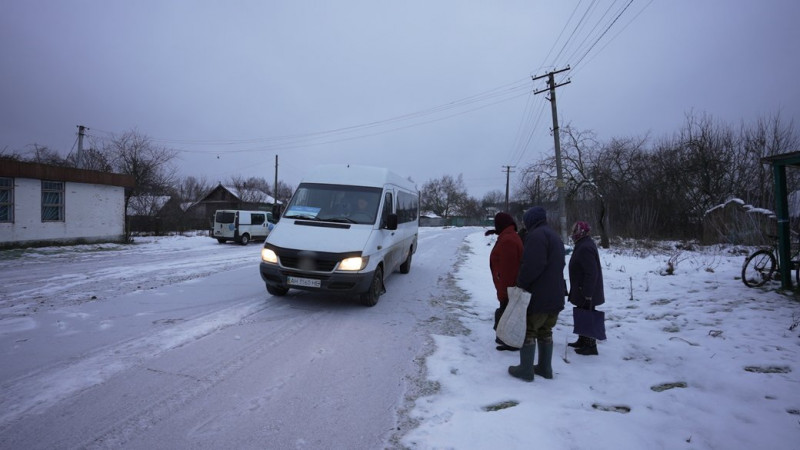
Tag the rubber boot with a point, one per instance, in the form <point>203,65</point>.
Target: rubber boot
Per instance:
<point>524,371</point>
<point>579,343</point>
<point>589,349</point>
<point>545,368</point>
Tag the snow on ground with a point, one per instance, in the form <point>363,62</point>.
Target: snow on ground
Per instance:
<point>93,272</point>
<point>693,360</point>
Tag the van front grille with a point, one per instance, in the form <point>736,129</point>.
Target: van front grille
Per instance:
<point>308,264</point>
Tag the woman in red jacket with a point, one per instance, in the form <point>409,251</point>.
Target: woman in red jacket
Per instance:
<point>504,263</point>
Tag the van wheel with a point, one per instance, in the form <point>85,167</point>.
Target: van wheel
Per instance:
<point>406,266</point>
<point>277,291</point>
<point>370,298</point>
<point>221,241</point>
<point>245,239</point>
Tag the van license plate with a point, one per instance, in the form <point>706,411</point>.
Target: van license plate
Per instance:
<point>307,282</point>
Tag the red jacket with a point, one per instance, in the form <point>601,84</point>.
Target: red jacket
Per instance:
<point>504,262</point>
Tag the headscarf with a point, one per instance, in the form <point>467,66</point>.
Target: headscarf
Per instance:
<point>580,230</point>
<point>501,222</point>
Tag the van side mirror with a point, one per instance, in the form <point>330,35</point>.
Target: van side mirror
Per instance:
<point>391,222</point>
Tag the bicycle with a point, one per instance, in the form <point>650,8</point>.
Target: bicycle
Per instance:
<point>762,266</point>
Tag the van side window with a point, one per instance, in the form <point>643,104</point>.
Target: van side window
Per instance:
<point>407,207</point>
<point>388,208</point>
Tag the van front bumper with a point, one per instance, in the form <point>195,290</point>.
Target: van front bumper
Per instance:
<point>339,282</point>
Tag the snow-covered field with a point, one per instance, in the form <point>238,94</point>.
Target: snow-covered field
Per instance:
<point>693,360</point>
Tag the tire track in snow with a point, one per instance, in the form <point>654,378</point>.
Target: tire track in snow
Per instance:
<point>36,392</point>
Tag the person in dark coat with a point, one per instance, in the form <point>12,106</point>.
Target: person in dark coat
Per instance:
<point>585,281</point>
<point>504,264</point>
<point>541,274</point>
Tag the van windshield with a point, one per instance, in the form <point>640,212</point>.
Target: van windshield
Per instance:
<point>334,203</point>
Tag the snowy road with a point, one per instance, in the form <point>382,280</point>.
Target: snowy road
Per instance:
<point>175,343</point>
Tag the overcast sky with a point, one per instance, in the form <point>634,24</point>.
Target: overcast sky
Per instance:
<point>426,88</point>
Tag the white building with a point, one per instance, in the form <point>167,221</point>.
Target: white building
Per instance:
<point>44,205</point>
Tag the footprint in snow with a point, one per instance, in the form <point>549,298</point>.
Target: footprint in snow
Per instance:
<point>612,408</point>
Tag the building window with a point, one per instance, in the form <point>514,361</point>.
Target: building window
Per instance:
<point>6,199</point>
<point>52,201</point>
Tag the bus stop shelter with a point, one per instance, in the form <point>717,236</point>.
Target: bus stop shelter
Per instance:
<point>779,164</point>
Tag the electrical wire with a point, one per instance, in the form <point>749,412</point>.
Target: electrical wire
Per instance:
<point>577,63</point>
<point>610,40</point>
<point>504,93</point>
<point>587,42</point>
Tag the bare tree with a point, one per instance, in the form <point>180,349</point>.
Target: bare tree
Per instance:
<point>470,207</point>
<point>251,190</point>
<point>580,155</point>
<point>537,183</point>
<point>619,168</point>
<point>284,192</point>
<point>134,154</point>
<point>766,137</point>
<point>43,155</point>
<point>443,195</point>
<point>91,159</point>
<point>493,198</point>
<point>191,189</point>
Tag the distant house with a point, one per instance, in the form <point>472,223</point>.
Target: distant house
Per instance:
<point>199,214</point>
<point>431,219</point>
<point>45,205</point>
<point>155,214</point>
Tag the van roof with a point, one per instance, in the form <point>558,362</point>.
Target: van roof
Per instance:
<point>355,175</point>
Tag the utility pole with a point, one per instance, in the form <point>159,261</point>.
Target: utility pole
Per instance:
<point>275,208</point>
<point>508,173</point>
<point>559,175</point>
<point>80,157</point>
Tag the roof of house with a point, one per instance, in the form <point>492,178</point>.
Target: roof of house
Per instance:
<point>22,169</point>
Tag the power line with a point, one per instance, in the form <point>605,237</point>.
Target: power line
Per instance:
<point>604,32</point>
<point>588,43</point>
<point>610,40</point>
<point>485,99</point>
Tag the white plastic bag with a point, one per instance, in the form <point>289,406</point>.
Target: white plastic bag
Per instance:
<point>512,324</point>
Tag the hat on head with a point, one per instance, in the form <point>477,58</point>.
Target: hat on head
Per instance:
<point>501,222</point>
<point>534,216</point>
<point>580,230</point>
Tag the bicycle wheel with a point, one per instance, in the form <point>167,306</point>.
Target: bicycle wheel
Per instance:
<point>759,268</point>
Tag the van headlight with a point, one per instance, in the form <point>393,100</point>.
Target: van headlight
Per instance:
<point>269,256</point>
<point>353,264</point>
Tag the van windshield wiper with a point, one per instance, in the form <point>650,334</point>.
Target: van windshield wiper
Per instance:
<point>302,216</point>
<point>339,219</point>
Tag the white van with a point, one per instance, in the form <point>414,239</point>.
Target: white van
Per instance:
<point>241,226</point>
<point>346,229</point>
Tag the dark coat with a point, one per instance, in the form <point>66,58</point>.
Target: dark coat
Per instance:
<point>504,262</point>
<point>542,269</point>
<point>585,274</point>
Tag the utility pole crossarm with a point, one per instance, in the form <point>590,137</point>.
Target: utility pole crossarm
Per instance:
<point>548,88</point>
<point>550,73</point>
